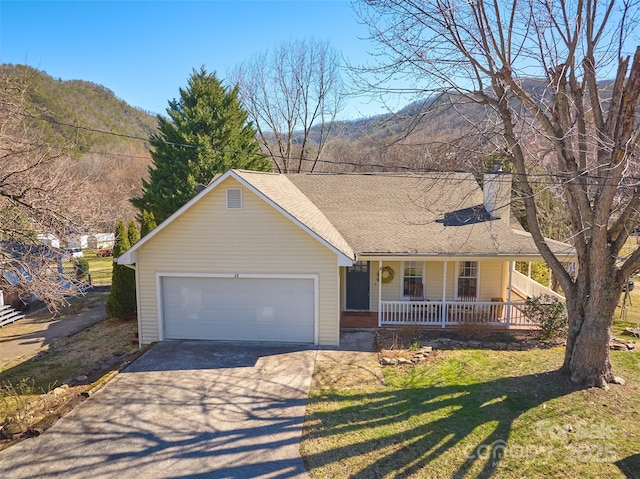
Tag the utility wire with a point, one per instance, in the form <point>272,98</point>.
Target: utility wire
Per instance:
<point>559,176</point>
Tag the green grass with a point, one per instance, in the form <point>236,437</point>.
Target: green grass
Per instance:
<point>476,413</point>
<point>87,352</point>
<point>99,268</point>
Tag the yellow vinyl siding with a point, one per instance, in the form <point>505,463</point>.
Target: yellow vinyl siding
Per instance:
<point>209,238</point>
<point>433,281</point>
<point>491,279</point>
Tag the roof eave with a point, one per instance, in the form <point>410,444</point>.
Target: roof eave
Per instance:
<point>345,258</point>
<point>452,256</point>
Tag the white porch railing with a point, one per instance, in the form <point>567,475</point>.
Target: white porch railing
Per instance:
<point>529,288</point>
<point>449,313</point>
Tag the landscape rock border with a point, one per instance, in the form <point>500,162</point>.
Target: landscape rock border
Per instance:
<point>396,348</point>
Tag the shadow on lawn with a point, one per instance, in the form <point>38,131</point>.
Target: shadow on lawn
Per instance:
<point>459,410</point>
<point>630,466</point>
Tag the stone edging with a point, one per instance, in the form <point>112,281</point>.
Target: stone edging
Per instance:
<point>420,354</point>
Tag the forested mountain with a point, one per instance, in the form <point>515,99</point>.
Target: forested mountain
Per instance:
<point>108,151</point>
<point>58,104</point>
<point>102,133</point>
<point>102,139</point>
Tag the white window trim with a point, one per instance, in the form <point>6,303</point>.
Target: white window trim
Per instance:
<point>229,190</point>
<point>455,284</point>
<point>424,278</point>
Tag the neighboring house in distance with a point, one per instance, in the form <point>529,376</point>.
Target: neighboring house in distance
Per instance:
<point>48,239</point>
<point>19,262</point>
<point>27,270</point>
<point>272,257</point>
<point>76,240</point>
<point>94,241</point>
<point>101,240</point>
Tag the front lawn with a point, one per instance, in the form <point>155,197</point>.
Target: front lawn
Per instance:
<point>477,413</point>
<point>35,391</point>
<point>99,268</point>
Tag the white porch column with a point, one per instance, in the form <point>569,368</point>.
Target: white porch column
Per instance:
<point>511,266</point>
<point>443,311</point>
<point>379,293</point>
<point>529,271</point>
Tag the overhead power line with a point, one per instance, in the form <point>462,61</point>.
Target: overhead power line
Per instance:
<point>412,169</point>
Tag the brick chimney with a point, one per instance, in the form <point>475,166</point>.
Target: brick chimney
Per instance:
<point>497,194</point>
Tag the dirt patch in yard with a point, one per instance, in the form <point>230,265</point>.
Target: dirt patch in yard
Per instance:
<point>347,370</point>
<point>353,365</point>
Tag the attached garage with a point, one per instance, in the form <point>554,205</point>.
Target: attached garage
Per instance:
<point>249,258</point>
<point>239,307</point>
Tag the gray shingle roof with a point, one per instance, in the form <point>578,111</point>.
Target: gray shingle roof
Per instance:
<point>280,190</point>
<point>437,214</point>
<point>395,214</point>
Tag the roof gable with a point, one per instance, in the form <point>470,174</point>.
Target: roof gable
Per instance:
<point>378,214</point>
<point>277,191</point>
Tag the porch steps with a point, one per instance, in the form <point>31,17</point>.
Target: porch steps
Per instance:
<point>357,319</point>
<point>9,315</point>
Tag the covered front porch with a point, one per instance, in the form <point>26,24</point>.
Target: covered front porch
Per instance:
<point>440,294</point>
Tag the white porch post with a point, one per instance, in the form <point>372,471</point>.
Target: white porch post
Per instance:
<point>379,293</point>
<point>443,311</point>
<point>529,271</point>
<point>511,266</point>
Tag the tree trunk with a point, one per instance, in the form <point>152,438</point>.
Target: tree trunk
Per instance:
<point>591,313</point>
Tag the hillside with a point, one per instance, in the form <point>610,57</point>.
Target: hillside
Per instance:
<point>59,103</point>
<point>104,140</point>
<point>442,134</point>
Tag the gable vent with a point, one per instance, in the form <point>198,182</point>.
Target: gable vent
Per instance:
<point>234,198</point>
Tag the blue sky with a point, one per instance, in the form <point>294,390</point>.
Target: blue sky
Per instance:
<point>145,50</point>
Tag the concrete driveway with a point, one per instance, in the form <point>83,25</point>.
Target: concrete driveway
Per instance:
<point>184,409</point>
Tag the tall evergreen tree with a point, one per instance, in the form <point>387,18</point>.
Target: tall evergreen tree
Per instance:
<point>122,298</point>
<point>207,132</point>
<point>133,235</point>
<point>147,223</point>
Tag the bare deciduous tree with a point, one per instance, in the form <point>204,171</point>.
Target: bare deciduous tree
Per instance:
<point>540,64</point>
<point>113,177</point>
<point>293,94</point>
<point>36,196</point>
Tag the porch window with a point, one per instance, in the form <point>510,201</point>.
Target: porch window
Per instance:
<point>412,275</point>
<point>468,280</point>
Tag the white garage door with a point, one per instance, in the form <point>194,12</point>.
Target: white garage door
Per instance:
<point>238,309</point>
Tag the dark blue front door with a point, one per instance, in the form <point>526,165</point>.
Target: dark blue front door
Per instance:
<point>358,286</point>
